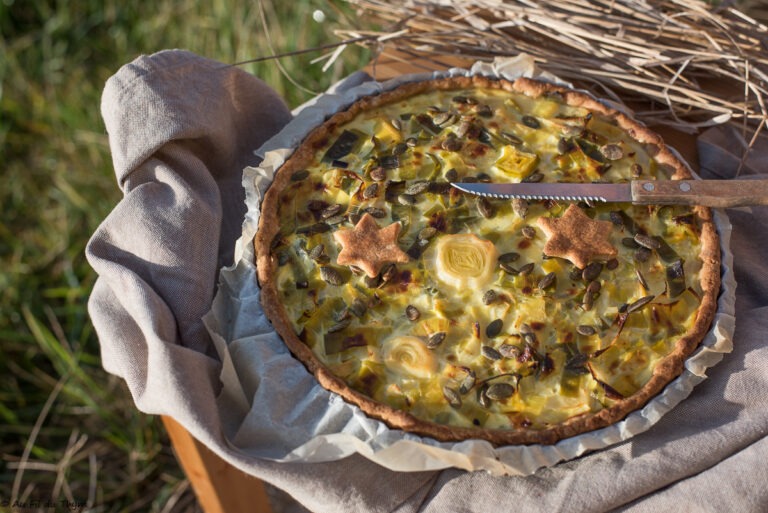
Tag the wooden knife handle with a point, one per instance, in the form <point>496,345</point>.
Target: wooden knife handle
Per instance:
<point>708,193</point>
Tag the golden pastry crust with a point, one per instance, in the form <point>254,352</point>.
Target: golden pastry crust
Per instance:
<point>665,371</point>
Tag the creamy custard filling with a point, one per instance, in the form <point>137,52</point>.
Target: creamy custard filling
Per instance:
<point>480,328</point>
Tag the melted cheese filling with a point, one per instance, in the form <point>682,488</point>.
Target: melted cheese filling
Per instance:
<point>465,333</point>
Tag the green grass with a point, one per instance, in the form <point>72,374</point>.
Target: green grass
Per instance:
<point>76,426</point>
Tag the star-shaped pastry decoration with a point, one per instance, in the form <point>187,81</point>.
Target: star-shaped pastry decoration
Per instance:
<point>369,247</point>
<point>577,237</point>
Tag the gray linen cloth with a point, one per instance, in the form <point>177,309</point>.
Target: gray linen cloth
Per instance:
<point>181,130</point>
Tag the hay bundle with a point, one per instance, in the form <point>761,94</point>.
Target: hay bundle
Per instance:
<point>685,63</point>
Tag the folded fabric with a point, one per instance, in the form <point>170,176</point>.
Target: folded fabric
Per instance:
<point>181,130</point>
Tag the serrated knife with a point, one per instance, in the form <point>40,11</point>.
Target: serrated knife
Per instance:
<point>708,193</point>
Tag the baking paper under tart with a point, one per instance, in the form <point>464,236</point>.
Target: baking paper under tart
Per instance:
<point>255,370</point>
<point>668,368</point>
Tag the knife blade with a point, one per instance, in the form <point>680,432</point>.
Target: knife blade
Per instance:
<point>708,193</point>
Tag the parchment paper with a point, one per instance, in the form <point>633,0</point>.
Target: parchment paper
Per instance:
<point>313,425</point>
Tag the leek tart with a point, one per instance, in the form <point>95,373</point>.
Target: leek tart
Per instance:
<point>458,317</point>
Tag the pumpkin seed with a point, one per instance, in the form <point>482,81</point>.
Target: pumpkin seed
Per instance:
<point>640,303</point>
<point>371,191</point>
<point>490,353</point>
<point>636,170</point>
<point>334,220</point>
<point>531,122</point>
<point>342,324</point>
<point>396,123</point>
<point>520,207</point>
<point>330,211</point>
<point>494,328</point>
<point>452,175</point>
<point>641,279</point>
<point>399,148</point>
<point>343,315</point>
<point>629,242</point>
<point>646,241</point>
<point>468,383</point>
<point>612,264</point>
<point>509,351</point>
<point>411,142</point>
<point>592,271</point>
<point>485,207</point>
<point>378,174</point>
<point>546,281</point>
<point>417,187</point>
<point>463,129</point>
<point>484,110</point>
<point>529,232</point>
<point>452,396</point>
<point>534,177</point>
<point>358,307</point>
<point>331,276</point>
<point>412,313</point>
<point>577,364</point>
<point>616,218</point>
<point>389,161</point>
<point>572,130</point>
<point>508,268</point>
<point>435,339</point>
<point>482,398</point>
<point>526,269</point>
<point>342,146</point>
<point>339,164</point>
<point>594,287</point>
<point>586,330</point>
<point>490,296</point>
<point>612,151</point>
<point>427,233</point>
<point>588,301</point>
<point>443,118</point>
<point>406,199</point>
<point>354,218</point>
<point>317,252</point>
<point>376,212</point>
<point>574,274</point>
<point>509,257</point>
<point>451,143</point>
<point>389,273</point>
<point>642,254</point>
<point>511,138</point>
<point>565,146</point>
<point>500,391</point>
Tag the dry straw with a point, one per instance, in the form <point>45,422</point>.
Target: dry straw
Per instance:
<point>681,63</point>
